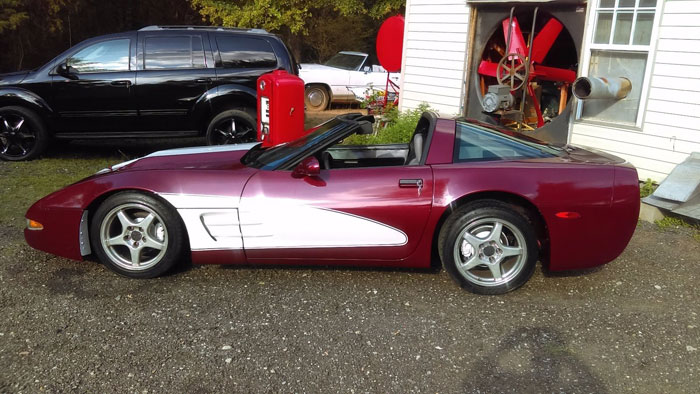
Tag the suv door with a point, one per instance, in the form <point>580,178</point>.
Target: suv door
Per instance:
<point>242,58</point>
<point>98,96</point>
<point>175,69</point>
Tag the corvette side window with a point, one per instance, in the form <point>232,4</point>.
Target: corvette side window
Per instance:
<point>105,56</point>
<point>481,144</point>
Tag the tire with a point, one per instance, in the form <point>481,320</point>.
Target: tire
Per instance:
<point>23,135</point>
<point>234,126</point>
<point>475,256</point>
<point>119,236</point>
<point>316,98</point>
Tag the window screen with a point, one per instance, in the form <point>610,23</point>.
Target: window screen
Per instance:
<point>245,52</point>
<point>630,65</point>
<point>173,52</point>
<point>105,56</point>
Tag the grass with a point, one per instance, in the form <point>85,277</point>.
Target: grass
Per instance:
<point>674,223</point>
<point>23,183</point>
<point>647,188</point>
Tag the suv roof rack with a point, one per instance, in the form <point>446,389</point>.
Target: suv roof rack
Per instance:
<point>192,27</point>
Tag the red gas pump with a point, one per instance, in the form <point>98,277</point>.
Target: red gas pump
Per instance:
<point>280,108</point>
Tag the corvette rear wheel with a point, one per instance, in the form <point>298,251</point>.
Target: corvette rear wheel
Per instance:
<point>22,134</point>
<point>137,235</point>
<point>487,247</point>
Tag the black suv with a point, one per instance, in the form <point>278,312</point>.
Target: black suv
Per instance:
<point>156,82</point>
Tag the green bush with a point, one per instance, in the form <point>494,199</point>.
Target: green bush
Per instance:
<point>647,188</point>
<point>399,128</point>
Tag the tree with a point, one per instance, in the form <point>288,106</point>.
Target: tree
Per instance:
<point>11,15</point>
<point>293,14</point>
<point>312,28</point>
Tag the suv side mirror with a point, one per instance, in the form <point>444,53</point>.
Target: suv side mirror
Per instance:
<point>66,71</point>
<point>308,167</point>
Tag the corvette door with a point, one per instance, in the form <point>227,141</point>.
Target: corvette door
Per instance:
<point>344,214</point>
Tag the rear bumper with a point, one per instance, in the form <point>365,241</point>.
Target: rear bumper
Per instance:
<point>603,233</point>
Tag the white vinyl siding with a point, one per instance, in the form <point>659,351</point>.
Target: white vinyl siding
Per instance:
<point>434,60</point>
<point>670,124</point>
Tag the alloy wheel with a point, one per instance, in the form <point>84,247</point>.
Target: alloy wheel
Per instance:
<point>17,138</point>
<point>134,237</point>
<point>490,252</point>
<point>233,130</point>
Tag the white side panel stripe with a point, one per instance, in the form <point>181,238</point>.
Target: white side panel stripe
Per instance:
<point>309,227</point>
<point>186,201</point>
<point>221,235</point>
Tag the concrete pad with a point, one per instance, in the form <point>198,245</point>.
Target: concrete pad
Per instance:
<point>650,213</point>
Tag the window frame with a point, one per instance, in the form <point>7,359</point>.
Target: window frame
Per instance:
<point>589,47</point>
<point>219,63</point>
<point>68,57</point>
<point>144,53</point>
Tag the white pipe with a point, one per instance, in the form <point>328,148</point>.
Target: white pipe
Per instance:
<point>589,88</point>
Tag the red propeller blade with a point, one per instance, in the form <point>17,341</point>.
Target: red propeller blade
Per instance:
<point>554,74</point>
<point>517,42</point>
<point>544,40</point>
<point>536,104</point>
<point>488,68</point>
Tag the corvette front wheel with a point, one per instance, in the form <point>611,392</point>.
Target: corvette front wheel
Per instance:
<point>487,247</point>
<point>137,235</point>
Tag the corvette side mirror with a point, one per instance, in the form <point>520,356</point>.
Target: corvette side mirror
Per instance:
<point>66,71</point>
<point>367,69</point>
<point>308,167</point>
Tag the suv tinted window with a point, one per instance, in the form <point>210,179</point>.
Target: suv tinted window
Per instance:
<point>105,56</point>
<point>173,52</point>
<point>245,52</point>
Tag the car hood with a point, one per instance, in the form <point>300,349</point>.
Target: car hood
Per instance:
<point>225,157</point>
<point>13,78</point>
<point>310,66</point>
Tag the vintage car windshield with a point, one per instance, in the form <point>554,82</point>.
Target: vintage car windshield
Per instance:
<point>266,158</point>
<point>346,61</point>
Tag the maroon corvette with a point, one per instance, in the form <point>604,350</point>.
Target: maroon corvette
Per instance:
<point>487,203</point>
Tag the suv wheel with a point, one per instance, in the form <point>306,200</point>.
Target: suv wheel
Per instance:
<point>22,134</point>
<point>234,126</point>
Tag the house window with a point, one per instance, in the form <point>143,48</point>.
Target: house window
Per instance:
<point>619,47</point>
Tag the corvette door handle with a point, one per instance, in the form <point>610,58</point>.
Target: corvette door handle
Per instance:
<point>126,83</point>
<point>202,80</point>
<point>416,183</point>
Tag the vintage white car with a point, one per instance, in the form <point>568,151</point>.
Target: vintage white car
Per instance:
<point>335,80</point>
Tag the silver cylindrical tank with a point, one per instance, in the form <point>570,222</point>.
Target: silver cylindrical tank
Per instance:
<point>589,88</point>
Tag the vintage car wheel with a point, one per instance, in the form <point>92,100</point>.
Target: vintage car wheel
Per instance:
<point>22,134</point>
<point>235,126</point>
<point>316,98</point>
<point>487,247</point>
<point>137,235</point>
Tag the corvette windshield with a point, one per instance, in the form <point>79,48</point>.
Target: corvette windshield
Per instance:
<point>346,61</point>
<point>273,157</point>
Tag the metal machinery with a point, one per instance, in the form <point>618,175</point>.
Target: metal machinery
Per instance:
<point>527,65</point>
<point>280,108</point>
